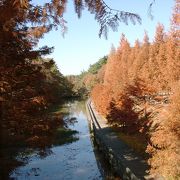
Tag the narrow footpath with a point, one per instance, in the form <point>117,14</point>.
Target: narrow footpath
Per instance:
<point>123,159</point>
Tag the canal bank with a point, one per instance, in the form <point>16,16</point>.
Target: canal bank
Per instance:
<point>124,161</point>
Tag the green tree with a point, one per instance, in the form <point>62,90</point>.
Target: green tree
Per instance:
<point>94,68</point>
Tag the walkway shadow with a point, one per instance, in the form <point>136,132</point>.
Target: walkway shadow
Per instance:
<point>125,161</point>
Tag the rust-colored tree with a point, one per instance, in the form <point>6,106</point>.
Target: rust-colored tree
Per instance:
<point>140,92</point>
<point>102,97</point>
<point>154,60</point>
<point>140,65</point>
<point>165,145</point>
<point>173,53</point>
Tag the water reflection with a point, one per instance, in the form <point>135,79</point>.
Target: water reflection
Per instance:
<point>70,154</point>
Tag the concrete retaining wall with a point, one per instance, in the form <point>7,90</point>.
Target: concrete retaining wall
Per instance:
<point>117,162</point>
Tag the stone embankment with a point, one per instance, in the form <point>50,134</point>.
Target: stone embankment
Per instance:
<point>124,161</point>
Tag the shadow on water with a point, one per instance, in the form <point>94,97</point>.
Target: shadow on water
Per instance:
<point>64,136</point>
<point>68,154</point>
<point>12,157</point>
<point>103,164</point>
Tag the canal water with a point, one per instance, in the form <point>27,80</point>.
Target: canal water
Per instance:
<point>75,158</point>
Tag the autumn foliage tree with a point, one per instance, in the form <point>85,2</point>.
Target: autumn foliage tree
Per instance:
<point>140,93</point>
<point>165,147</point>
<point>27,86</point>
<point>131,77</point>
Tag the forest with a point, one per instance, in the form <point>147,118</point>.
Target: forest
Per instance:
<point>137,90</point>
<point>83,83</point>
<point>135,87</point>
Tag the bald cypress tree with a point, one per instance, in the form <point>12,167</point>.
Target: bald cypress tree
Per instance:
<point>154,65</point>
<point>173,53</point>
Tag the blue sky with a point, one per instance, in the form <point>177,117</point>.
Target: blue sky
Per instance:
<point>81,45</point>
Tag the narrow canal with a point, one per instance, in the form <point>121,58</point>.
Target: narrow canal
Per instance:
<point>75,158</point>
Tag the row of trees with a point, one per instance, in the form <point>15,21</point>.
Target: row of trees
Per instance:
<point>28,89</point>
<point>22,24</point>
<point>83,83</point>
<point>140,92</point>
<point>27,86</point>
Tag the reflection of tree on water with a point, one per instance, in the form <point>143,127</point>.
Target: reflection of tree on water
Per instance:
<point>57,157</point>
<point>77,107</point>
<point>12,158</point>
<point>8,162</point>
<point>25,156</point>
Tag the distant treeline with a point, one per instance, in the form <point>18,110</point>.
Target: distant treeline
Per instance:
<point>83,83</point>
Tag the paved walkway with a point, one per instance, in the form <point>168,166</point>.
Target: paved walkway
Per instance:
<point>128,164</point>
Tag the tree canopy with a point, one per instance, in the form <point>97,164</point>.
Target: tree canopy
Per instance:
<point>94,68</point>
<point>139,94</point>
